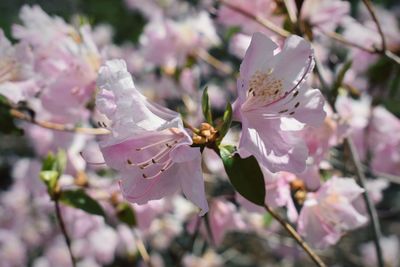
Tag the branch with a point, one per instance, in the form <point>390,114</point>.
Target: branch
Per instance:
<point>57,126</point>
<point>142,249</point>
<point>371,11</point>
<point>64,231</point>
<point>262,21</point>
<point>296,237</point>
<point>368,202</point>
<point>337,37</point>
<point>216,63</point>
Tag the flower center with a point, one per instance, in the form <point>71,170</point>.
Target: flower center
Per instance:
<point>160,161</point>
<point>263,89</point>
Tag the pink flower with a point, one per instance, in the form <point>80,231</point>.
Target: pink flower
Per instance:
<point>329,213</point>
<point>224,217</point>
<point>325,14</point>
<point>148,144</point>
<point>260,8</point>
<point>384,141</point>
<point>390,249</point>
<point>15,71</point>
<point>274,102</point>
<point>356,114</point>
<point>168,43</point>
<point>66,69</point>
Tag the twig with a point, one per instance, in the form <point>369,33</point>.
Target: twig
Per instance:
<point>216,63</point>
<point>296,237</point>
<point>262,21</point>
<point>64,231</point>
<point>142,249</point>
<point>337,37</point>
<point>57,126</point>
<point>371,11</point>
<point>392,56</point>
<point>208,229</point>
<point>370,206</point>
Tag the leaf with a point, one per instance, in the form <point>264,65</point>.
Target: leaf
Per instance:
<point>56,162</point>
<point>80,200</point>
<point>53,167</point>
<point>244,174</point>
<point>226,122</point>
<point>126,214</point>
<point>50,178</point>
<point>206,106</point>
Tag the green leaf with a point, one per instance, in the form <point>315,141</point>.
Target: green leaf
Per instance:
<point>56,162</point>
<point>80,200</point>
<point>53,167</point>
<point>206,106</point>
<point>50,178</point>
<point>126,214</point>
<point>244,174</point>
<point>226,123</point>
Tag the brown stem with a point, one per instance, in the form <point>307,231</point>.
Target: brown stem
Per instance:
<point>262,21</point>
<point>337,37</point>
<point>368,202</point>
<point>57,126</point>
<point>296,236</point>
<point>216,63</point>
<point>371,11</point>
<point>142,249</point>
<point>64,231</point>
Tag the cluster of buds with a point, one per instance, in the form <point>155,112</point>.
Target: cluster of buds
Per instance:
<point>299,191</point>
<point>206,134</point>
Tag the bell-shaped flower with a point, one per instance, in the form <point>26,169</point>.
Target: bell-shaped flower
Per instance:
<point>148,143</point>
<point>274,103</point>
<point>328,213</point>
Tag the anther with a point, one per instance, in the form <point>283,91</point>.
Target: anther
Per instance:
<point>129,162</point>
<point>295,93</point>
<point>291,113</point>
<point>297,104</point>
<point>283,111</point>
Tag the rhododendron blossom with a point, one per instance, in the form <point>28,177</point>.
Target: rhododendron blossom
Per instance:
<point>148,143</point>
<point>330,212</point>
<point>274,102</point>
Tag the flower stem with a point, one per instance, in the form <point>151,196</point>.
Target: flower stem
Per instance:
<point>57,126</point>
<point>296,236</point>
<point>368,202</point>
<point>371,11</point>
<point>142,249</point>
<point>262,21</point>
<point>64,231</point>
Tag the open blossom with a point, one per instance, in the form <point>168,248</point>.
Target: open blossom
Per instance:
<point>168,43</point>
<point>65,69</point>
<point>390,249</point>
<point>148,143</point>
<point>223,218</point>
<point>274,102</point>
<point>16,81</point>
<point>325,14</point>
<point>384,141</point>
<point>328,213</point>
<point>261,8</point>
